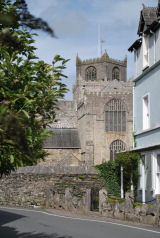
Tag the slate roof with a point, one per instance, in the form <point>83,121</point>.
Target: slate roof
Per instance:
<point>147,17</point>
<point>63,138</point>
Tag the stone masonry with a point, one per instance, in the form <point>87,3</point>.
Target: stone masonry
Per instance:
<point>86,114</point>
<point>69,192</point>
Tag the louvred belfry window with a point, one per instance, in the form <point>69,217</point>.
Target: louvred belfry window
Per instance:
<point>91,73</point>
<point>116,74</point>
<point>115,116</point>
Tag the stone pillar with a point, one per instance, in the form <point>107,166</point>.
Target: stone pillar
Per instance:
<point>88,201</point>
<point>68,199</point>
<point>102,199</point>
<point>158,200</point>
<point>158,209</point>
<point>129,202</point>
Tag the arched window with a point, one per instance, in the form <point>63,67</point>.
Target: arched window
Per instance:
<point>115,73</point>
<point>115,115</point>
<point>115,147</point>
<point>91,73</point>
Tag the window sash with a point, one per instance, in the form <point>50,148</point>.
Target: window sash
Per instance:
<point>145,112</point>
<point>145,52</point>
<point>115,120</point>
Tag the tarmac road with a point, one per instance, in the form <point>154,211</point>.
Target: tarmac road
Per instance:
<point>25,223</point>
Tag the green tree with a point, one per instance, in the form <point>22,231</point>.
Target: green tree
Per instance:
<point>29,91</point>
<point>9,18</point>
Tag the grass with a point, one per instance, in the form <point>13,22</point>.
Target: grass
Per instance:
<point>113,200</point>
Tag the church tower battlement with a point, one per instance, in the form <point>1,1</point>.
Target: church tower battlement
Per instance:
<point>93,75</point>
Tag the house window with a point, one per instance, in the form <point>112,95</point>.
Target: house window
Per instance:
<point>115,73</point>
<point>115,147</point>
<point>91,73</point>
<point>145,112</point>
<point>145,52</point>
<point>158,164</point>
<point>155,46</point>
<point>115,116</point>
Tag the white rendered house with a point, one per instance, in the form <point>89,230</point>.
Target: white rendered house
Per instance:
<point>147,102</point>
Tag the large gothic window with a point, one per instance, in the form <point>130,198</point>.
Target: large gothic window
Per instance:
<point>91,73</point>
<point>115,115</point>
<point>116,73</point>
<point>115,147</point>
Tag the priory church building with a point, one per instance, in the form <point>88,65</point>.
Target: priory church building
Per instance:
<point>98,123</point>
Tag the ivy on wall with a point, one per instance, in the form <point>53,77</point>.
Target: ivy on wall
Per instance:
<point>110,172</point>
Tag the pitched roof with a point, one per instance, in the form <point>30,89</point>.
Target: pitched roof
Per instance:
<point>63,138</point>
<point>147,17</point>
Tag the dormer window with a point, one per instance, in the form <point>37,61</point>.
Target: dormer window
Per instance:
<point>91,73</point>
<point>116,73</point>
<point>145,52</point>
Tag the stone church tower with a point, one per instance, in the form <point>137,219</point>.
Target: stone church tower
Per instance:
<point>103,100</point>
<point>98,123</point>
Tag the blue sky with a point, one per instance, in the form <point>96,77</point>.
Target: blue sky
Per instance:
<point>75,23</point>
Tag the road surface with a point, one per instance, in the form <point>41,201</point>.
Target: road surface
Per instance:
<point>25,223</point>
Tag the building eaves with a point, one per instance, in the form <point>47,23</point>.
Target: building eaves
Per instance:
<point>135,45</point>
<point>152,28</point>
<point>147,148</point>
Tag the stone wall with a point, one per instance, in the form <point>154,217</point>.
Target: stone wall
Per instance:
<point>128,210</point>
<point>69,192</point>
<point>95,140</point>
<point>67,157</point>
<point>73,193</point>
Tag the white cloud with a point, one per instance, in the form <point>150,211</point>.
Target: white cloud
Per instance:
<point>126,11</point>
<point>38,6</point>
<point>76,24</point>
<point>72,24</point>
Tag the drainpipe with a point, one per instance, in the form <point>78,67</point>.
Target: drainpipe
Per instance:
<point>131,182</point>
<point>122,190</point>
<point>143,185</point>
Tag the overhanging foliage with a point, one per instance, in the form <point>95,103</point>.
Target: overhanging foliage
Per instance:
<point>29,91</point>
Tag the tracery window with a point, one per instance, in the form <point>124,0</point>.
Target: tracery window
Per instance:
<point>115,116</point>
<point>115,73</point>
<point>91,73</point>
<point>115,147</point>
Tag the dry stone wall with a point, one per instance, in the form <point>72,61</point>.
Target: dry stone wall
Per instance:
<point>69,192</point>
<point>126,210</point>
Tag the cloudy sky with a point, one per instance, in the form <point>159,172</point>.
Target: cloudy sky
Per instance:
<point>75,23</point>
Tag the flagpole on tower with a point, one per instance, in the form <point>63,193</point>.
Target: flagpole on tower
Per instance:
<point>99,41</point>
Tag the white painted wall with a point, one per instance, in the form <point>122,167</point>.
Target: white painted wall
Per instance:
<point>153,53</point>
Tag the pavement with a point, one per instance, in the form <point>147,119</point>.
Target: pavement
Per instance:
<point>35,223</point>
